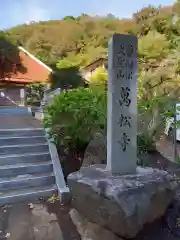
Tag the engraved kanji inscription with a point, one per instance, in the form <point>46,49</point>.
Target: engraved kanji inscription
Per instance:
<point>122,51</point>
<point>129,64</point>
<point>125,97</point>
<point>120,74</point>
<point>124,121</point>
<point>124,63</point>
<point>120,61</point>
<point>129,50</point>
<point>124,142</point>
<point>125,50</point>
<point>129,75</point>
<point>124,74</point>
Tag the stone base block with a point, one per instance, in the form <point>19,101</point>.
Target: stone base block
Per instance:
<point>122,204</point>
<point>90,231</point>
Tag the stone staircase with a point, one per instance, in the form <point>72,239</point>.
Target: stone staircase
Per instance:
<point>27,170</point>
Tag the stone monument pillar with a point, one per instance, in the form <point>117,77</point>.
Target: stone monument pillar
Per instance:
<point>121,196</point>
<point>122,104</point>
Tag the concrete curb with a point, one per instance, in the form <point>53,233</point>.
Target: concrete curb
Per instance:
<point>63,190</point>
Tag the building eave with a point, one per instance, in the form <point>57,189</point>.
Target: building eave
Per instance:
<point>20,80</point>
<point>96,60</point>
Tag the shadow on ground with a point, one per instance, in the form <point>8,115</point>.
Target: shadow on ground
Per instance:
<point>62,213</point>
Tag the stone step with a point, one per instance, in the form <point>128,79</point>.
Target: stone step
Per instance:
<point>27,168</point>
<point>21,149</point>
<point>8,110</point>
<point>24,158</point>
<point>19,132</point>
<point>22,140</point>
<point>28,180</point>
<point>27,194</point>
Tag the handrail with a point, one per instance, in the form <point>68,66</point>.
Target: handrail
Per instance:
<point>8,98</point>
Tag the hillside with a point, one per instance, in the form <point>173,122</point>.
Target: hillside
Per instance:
<point>72,42</point>
<point>84,38</point>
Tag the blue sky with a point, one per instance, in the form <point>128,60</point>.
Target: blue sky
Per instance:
<point>14,12</point>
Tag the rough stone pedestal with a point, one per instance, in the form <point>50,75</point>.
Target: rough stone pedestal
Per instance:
<point>89,230</point>
<point>121,204</point>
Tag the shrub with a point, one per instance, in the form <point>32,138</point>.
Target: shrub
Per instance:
<point>75,116</point>
<point>145,144</point>
<point>35,93</point>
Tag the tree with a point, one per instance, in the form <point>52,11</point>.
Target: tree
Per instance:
<point>111,16</point>
<point>10,61</point>
<point>66,74</point>
<point>145,13</point>
<point>35,94</point>
<point>176,8</point>
<point>69,18</point>
<point>153,48</point>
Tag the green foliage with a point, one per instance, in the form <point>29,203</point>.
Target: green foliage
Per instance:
<point>177,159</point>
<point>67,63</point>
<point>85,38</point>
<point>145,144</point>
<point>153,46</point>
<point>65,78</point>
<point>99,78</point>
<point>71,43</point>
<point>9,51</point>
<point>75,116</point>
<point>176,8</point>
<point>85,35</point>
<point>69,18</point>
<point>145,13</point>
<point>35,94</point>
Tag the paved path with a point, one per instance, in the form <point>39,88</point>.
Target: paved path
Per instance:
<point>36,222</point>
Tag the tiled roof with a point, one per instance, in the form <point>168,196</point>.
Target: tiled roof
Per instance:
<point>29,69</point>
